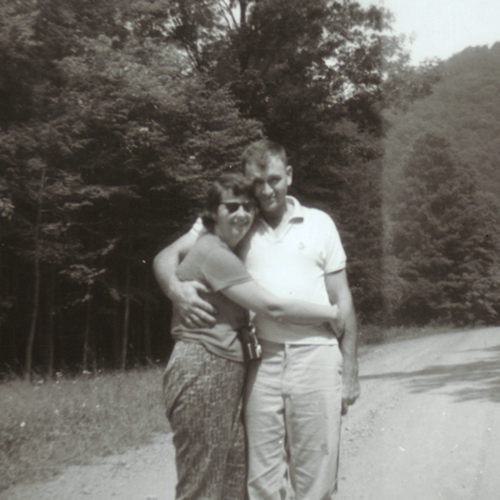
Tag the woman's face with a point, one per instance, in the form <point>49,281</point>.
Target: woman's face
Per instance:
<point>234,217</point>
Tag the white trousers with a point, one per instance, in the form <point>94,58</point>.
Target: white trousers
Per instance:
<point>292,411</point>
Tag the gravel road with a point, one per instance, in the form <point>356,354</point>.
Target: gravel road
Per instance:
<point>427,427</point>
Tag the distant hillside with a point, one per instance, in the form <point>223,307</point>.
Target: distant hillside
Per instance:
<point>441,206</point>
<point>464,108</point>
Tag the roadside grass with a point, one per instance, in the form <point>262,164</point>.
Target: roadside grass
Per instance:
<point>49,425</point>
<point>375,334</point>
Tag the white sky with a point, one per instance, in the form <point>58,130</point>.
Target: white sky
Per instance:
<point>441,28</point>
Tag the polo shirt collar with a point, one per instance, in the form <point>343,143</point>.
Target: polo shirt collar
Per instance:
<point>295,212</point>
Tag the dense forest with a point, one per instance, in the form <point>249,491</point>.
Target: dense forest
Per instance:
<point>114,117</point>
<point>442,197</point>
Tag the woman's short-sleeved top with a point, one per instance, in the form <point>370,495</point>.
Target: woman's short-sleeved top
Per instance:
<point>212,263</point>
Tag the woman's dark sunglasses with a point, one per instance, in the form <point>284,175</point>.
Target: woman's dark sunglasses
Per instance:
<point>233,206</point>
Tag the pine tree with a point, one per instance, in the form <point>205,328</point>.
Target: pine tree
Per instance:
<point>442,240</point>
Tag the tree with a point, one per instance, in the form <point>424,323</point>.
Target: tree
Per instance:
<point>462,108</point>
<point>128,137</point>
<point>312,73</point>
<point>131,108</point>
<point>443,241</point>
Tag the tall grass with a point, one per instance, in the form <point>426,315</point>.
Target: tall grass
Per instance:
<point>47,425</point>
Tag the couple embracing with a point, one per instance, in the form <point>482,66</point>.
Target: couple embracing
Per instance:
<point>261,427</point>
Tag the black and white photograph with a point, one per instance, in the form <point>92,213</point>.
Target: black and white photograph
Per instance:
<point>249,250</point>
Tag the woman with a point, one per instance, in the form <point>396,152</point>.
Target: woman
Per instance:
<point>204,378</point>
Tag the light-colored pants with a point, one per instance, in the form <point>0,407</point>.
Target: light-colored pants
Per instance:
<point>293,406</point>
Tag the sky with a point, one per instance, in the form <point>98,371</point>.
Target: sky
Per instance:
<point>441,28</point>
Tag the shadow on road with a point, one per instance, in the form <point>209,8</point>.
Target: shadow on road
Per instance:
<point>482,378</point>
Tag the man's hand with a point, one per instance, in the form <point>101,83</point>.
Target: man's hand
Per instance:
<point>195,311</point>
<point>339,293</point>
<point>350,387</point>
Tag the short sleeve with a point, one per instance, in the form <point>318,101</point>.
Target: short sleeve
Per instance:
<point>334,257</point>
<point>222,269</point>
<point>197,229</point>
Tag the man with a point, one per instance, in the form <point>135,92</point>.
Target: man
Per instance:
<point>297,391</point>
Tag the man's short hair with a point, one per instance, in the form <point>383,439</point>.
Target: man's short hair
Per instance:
<point>258,153</point>
<point>234,182</point>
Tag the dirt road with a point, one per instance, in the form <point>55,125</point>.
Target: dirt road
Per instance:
<point>427,427</point>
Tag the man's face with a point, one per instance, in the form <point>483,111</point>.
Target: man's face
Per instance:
<point>271,183</point>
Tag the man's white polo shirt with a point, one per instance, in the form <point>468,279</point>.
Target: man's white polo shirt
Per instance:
<point>293,263</point>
